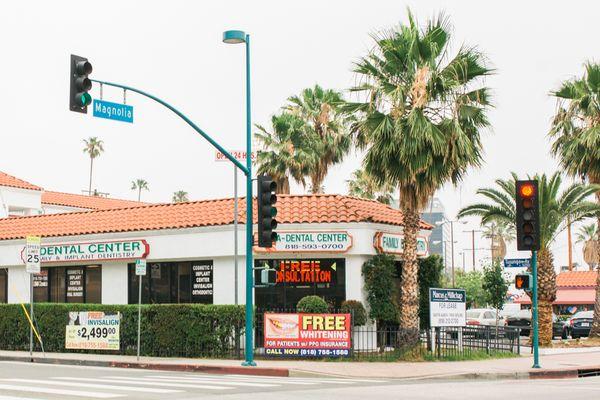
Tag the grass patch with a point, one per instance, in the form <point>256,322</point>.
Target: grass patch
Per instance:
<point>469,356</point>
<point>577,343</point>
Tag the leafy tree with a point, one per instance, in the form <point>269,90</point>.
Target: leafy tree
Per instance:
<point>312,304</point>
<point>139,185</point>
<point>472,282</point>
<point>180,197</point>
<point>379,275</point>
<point>419,122</point>
<point>495,288</point>
<point>556,207</point>
<point>93,147</point>
<point>430,276</point>
<point>364,186</point>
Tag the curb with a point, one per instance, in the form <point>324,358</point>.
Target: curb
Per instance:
<point>209,369</point>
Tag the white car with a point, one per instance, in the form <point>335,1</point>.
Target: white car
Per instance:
<point>484,317</point>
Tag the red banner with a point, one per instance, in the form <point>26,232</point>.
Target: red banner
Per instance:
<point>307,335</point>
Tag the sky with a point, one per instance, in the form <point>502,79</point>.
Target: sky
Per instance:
<point>173,49</point>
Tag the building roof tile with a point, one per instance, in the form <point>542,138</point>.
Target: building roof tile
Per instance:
<point>86,202</point>
<point>576,279</point>
<point>11,181</point>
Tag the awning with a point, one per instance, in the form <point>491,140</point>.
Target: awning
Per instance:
<point>567,297</point>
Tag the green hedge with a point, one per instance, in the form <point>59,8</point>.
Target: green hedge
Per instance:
<point>168,330</point>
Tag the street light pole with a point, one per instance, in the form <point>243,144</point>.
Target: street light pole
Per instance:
<point>452,248</point>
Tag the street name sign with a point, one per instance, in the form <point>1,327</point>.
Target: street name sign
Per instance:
<point>140,267</point>
<point>447,307</point>
<point>517,263</point>
<point>114,111</point>
<point>32,254</point>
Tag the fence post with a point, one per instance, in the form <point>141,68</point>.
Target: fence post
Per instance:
<point>487,339</point>
<point>460,340</point>
<point>438,342</point>
<point>352,333</point>
<point>519,341</point>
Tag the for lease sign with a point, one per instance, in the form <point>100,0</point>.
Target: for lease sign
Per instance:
<point>307,335</point>
<point>447,307</point>
<point>93,251</point>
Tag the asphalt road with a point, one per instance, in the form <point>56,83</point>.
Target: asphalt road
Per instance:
<point>54,382</point>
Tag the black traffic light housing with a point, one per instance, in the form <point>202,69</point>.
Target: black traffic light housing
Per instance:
<point>523,281</point>
<point>528,215</point>
<point>80,84</point>
<point>266,199</point>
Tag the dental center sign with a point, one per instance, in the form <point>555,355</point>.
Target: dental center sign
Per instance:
<point>94,251</point>
<point>311,241</point>
<point>392,243</point>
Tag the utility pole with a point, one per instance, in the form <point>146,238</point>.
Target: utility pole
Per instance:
<point>472,231</point>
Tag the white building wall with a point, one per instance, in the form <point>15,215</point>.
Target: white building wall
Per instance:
<point>114,283</point>
<point>18,285</point>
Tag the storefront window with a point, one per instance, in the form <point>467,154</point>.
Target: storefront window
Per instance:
<point>3,286</point>
<point>184,282</point>
<point>81,284</point>
<point>296,278</point>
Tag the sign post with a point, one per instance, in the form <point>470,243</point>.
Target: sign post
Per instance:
<point>32,266</point>
<point>140,271</point>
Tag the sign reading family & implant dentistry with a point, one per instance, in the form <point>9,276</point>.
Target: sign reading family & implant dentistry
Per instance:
<point>311,241</point>
<point>93,330</point>
<point>447,307</point>
<point>93,251</point>
<point>392,243</point>
<point>307,335</point>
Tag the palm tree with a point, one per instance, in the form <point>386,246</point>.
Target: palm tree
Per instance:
<point>555,211</point>
<point>180,196</point>
<point>286,152</point>
<point>93,147</point>
<point>325,128</point>
<point>588,235</point>
<point>419,123</point>
<point>576,134</point>
<point>499,234</point>
<point>139,185</point>
<point>364,186</point>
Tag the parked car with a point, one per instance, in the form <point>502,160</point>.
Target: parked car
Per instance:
<point>483,316</point>
<point>580,324</point>
<point>522,320</point>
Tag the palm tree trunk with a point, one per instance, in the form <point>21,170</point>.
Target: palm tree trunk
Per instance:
<point>409,293</point>
<point>139,193</point>
<point>595,332</point>
<point>91,169</point>
<point>546,295</point>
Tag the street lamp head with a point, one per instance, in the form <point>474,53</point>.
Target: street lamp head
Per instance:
<point>234,37</point>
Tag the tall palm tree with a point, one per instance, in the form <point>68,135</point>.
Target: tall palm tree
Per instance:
<point>93,147</point>
<point>325,128</point>
<point>139,185</point>
<point>419,121</point>
<point>499,234</point>
<point>588,235</point>
<point>576,134</point>
<point>180,196</point>
<point>556,207</point>
<point>286,151</point>
<point>364,186</point>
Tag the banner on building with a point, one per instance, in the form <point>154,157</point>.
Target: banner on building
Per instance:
<point>393,243</point>
<point>93,330</point>
<point>307,335</point>
<point>310,241</point>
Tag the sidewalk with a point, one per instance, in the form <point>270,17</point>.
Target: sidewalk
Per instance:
<point>553,366</point>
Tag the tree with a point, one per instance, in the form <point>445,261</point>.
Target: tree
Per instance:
<point>555,208</point>
<point>180,197</point>
<point>419,124</point>
<point>286,151</point>
<point>430,276</point>
<point>364,186</point>
<point>93,147</point>
<point>576,134</point>
<point>379,274</point>
<point>499,234</point>
<point>588,235</point>
<point>472,282</point>
<point>139,185</point>
<point>325,128</point>
<point>495,287</point>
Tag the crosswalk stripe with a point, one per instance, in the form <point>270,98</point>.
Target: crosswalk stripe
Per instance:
<point>16,398</point>
<point>202,380</point>
<point>277,381</point>
<point>95,386</point>
<point>133,381</point>
<point>64,392</point>
<point>320,380</point>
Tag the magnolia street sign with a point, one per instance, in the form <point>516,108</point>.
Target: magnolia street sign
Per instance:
<point>447,307</point>
<point>93,251</point>
<point>114,111</point>
<point>32,255</point>
<point>517,263</point>
<point>239,155</point>
<point>311,241</point>
<point>392,243</point>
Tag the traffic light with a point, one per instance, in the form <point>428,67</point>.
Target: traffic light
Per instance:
<point>528,215</point>
<point>266,211</point>
<point>80,84</point>
<point>523,281</point>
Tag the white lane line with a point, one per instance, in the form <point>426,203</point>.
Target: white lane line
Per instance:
<point>64,392</point>
<point>134,381</point>
<point>343,380</point>
<point>208,380</point>
<point>227,378</point>
<point>92,385</point>
<point>17,398</point>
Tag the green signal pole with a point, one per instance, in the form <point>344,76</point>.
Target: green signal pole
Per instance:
<point>536,349</point>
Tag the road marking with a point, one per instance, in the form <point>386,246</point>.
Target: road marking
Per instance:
<point>278,381</point>
<point>321,380</point>
<point>95,386</point>
<point>134,381</point>
<point>64,392</point>
<point>202,380</point>
<point>17,398</point>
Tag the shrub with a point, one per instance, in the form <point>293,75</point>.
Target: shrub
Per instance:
<point>356,308</point>
<point>380,276</point>
<point>312,304</point>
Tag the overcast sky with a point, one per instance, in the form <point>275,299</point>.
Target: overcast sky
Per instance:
<point>173,49</point>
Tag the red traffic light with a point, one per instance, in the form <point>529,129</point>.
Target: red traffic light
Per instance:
<point>527,190</point>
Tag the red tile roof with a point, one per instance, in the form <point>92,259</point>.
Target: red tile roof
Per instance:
<point>87,202</point>
<point>11,181</point>
<point>291,209</point>
<point>577,279</point>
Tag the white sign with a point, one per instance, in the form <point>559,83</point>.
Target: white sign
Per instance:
<point>140,267</point>
<point>311,241</point>
<point>447,307</point>
<point>93,330</point>
<point>239,155</point>
<point>92,251</point>
<point>32,255</point>
<point>393,243</point>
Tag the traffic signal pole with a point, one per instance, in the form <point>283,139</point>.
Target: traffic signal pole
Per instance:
<point>534,301</point>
